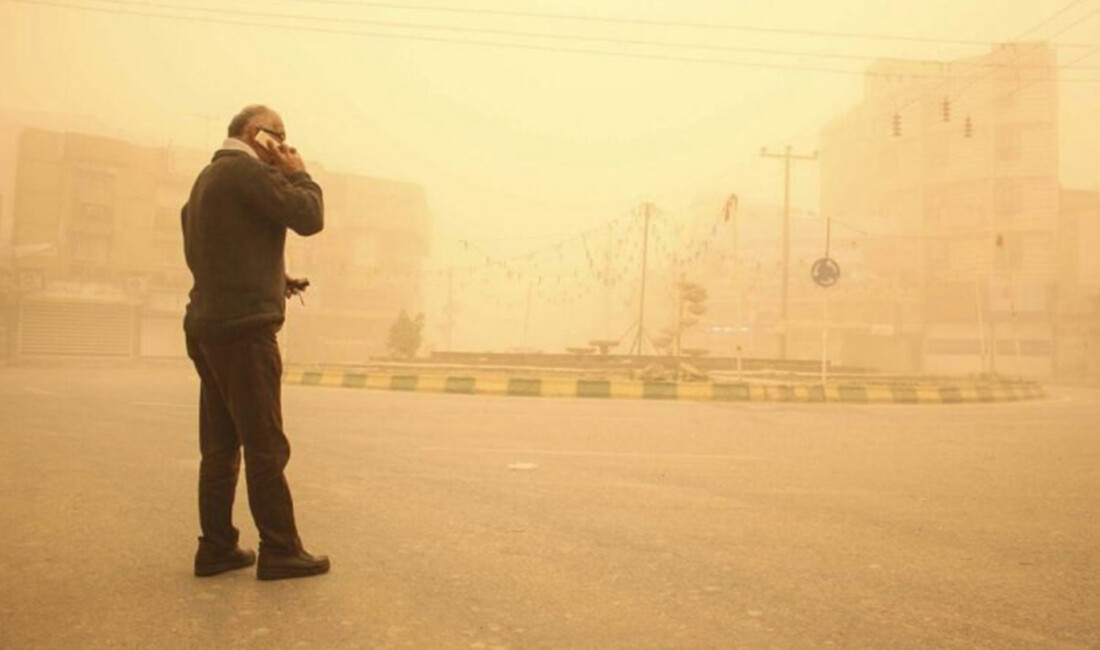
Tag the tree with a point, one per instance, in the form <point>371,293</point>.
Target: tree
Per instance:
<point>691,305</point>
<point>693,299</point>
<point>404,338</point>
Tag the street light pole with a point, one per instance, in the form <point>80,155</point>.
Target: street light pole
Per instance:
<point>527,315</point>
<point>787,156</point>
<point>731,215</point>
<point>639,340</point>
<point>450,308</point>
<point>825,313</point>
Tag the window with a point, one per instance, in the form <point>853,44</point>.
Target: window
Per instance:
<point>1025,347</point>
<point>31,279</point>
<point>953,346</point>
<point>1008,252</point>
<point>93,217</point>
<point>90,247</point>
<point>888,160</point>
<point>937,152</point>
<point>1007,88</point>
<point>1008,199</point>
<point>933,211</point>
<point>94,185</point>
<point>1008,142</point>
<point>937,254</point>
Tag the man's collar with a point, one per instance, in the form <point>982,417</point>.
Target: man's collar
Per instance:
<point>236,144</point>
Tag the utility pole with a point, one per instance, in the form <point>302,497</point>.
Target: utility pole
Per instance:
<point>787,156</point>
<point>450,307</point>
<point>825,312</point>
<point>731,213</point>
<point>527,316</point>
<point>609,290</point>
<point>647,209</point>
<point>680,321</point>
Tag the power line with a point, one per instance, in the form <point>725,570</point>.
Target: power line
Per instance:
<point>978,77</point>
<point>1035,81</point>
<point>1002,97</point>
<point>1061,11</point>
<point>515,33</point>
<point>981,76</point>
<point>433,39</point>
<point>1049,19</point>
<point>1078,21</point>
<point>665,23</point>
<point>496,44</point>
<point>1074,24</point>
<point>946,83</point>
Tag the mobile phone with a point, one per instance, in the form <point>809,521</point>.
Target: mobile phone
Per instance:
<point>264,139</point>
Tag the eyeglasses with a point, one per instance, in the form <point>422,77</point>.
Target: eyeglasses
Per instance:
<point>281,137</point>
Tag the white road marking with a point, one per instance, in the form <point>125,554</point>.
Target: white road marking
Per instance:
<point>609,454</point>
<point>522,466</point>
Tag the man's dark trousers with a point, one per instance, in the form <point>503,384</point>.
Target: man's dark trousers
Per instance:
<point>240,405</point>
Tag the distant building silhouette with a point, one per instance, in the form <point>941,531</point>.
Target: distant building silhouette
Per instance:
<point>97,258</point>
<point>952,171</point>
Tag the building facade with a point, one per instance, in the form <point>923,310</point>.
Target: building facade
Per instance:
<point>951,171</point>
<point>364,269</point>
<point>97,260</point>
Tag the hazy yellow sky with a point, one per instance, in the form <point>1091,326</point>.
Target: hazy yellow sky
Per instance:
<point>511,142</point>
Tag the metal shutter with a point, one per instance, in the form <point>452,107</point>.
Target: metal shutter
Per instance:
<point>75,329</point>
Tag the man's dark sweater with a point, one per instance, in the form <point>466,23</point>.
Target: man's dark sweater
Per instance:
<point>234,233</point>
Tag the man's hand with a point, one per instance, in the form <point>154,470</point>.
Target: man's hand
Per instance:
<point>287,160</point>
<point>295,287</point>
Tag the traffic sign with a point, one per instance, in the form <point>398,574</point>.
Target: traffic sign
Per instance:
<point>825,272</point>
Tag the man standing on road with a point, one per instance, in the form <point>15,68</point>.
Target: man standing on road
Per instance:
<point>234,232</point>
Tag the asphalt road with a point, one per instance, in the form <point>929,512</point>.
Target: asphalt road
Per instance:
<point>478,522</point>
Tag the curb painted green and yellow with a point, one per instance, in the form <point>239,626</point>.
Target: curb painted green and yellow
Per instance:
<point>849,392</point>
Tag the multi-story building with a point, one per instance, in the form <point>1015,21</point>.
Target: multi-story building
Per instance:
<point>364,269</point>
<point>951,170</point>
<point>97,252</point>
<point>1078,318</point>
<point>95,245</point>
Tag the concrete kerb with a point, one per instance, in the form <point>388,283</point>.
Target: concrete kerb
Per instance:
<point>850,392</point>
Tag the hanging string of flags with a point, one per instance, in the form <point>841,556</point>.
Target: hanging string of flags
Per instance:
<point>600,262</point>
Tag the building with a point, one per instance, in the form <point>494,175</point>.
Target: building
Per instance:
<point>951,170</point>
<point>97,253</point>
<point>743,276</point>
<point>1078,319</point>
<point>364,269</point>
<point>96,246</point>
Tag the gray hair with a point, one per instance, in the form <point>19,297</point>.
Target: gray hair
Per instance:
<point>240,120</point>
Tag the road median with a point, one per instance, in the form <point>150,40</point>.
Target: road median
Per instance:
<point>850,392</point>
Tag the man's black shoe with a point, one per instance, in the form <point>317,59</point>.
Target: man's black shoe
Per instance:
<point>209,562</point>
<point>273,566</point>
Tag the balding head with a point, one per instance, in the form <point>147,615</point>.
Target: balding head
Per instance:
<point>253,119</point>
<point>238,126</point>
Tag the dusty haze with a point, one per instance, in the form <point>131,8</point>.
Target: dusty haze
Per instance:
<point>516,148</point>
<point>633,324</point>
